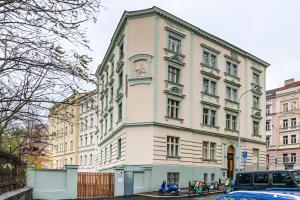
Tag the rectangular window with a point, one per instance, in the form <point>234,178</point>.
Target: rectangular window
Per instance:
<point>119,148</point>
<point>261,178</point>
<point>255,102</point>
<point>293,157</point>
<point>209,86</point>
<point>285,139</point>
<point>209,117</point>
<point>234,122</point>
<point>92,122</point>
<point>268,125</point>
<point>205,150</point>
<point>228,120</point>
<point>86,140</point>
<point>255,79</point>
<point>285,107</point>
<point>293,122</point>
<point>231,93</point>
<point>105,123</point>
<point>91,139</point>
<point>172,146</point>
<point>212,117</point>
<point>285,158</point>
<point>173,74</point>
<point>212,151</point>
<point>231,69</point>
<point>293,139</point>
<point>121,50</point>
<point>244,178</point>
<point>173,178</point>
<point>268,109</point>
<point>255,128</point>
<point>110,153</point>
<point>285,123</point>
<point>111,120</point>
<point>120,111</point>
<point>105,155</point>
<point>120,80</point>
<point>231,121</point>
<point>205,116</point>
<point>91,159</point>
<point>111,94</point>
<point>212,177</point>
<point>268,140</point>
<point>174,44</point>
<point>209,59</point>
<point>293,105</point>
<point>173,108</point>
<point>268,159</point>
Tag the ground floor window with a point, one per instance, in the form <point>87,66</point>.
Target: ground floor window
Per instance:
<point>173,178</point>
<point>172,146</point>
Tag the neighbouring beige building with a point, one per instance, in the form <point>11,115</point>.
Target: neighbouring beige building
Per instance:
<point>63,122</point>
<point>282,126</point>
<point>169,103</point>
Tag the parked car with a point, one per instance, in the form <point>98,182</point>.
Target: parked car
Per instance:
<point>256,195</point>
<point>262,180</point>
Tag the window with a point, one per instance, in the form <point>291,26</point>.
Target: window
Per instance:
<point>91,159</point>
<point>285,139</point>
<point>86,140</point>
<point>293,139</point>
<point>231,121</point>
<point>268,159</point>
<point>91,139</point>
<point>255,128</point>
<point>212,151</point>
<point>293,122</point>
<point>280,177</point>
<point>101,157</point>
<point>205,177</point>
<point>120,111</point>
<point>268,141</point>
<point>111,120</point>
<point>105,123</point>
<point>245,178</point>
<point>268,125</point>
<point>106,100</point>
<point>231,93</point>
<point>268,109</point>
<point>255,102</point>
<point>173,178</point>
<point>173,74</point>
<point>173,108</point>
<point>92,122</point>
<point>85,124</point>
<point>209,117</point>
<point>66,146</point>
<point>105,155</point>
<point>71,146</point>
<point>111,93</point>
<point>209,86</point>
<point>81,141</point>
<point>255,79</point>
<point>209,59</point>
<point>261,178</point>
<point>205,150</point>
<point>285,123</point>
<point>119,148</point>
<point>293,105</point>
<point>293,157</point>
<point>121,50</point>
<point>80,160</point>
<point>285,107</point>
<point>72,128</point>
<point>174,44</point>
<point>212,177</point>
<point>85,159</point>
<point>172,146</point>
<point>110,153</point>
<point>120,80</point>
<point>231,69</point>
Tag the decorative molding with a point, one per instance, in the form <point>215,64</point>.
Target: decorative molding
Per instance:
<point>182,35</point>
<point>140,72</point>
<point>232,76</point>
<point>256,69</point>
<point>210,48</point>
<point>232,59</point>
<point>210,104</point>
<point>175,59</point>
<point>210,95</point>
<point>120,64</point>
<point>210,74</point>
<point>232,83</point>
<point>173,52</point>
<point>209,67</point>
<point>231,110</point>
<point>231,101</point>
<point>172,118</point>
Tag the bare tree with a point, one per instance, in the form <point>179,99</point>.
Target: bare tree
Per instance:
<point>39,56</point>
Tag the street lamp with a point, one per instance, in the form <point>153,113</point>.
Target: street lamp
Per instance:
<point>239,122</point>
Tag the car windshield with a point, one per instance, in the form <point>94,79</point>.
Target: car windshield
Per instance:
<point>296,175</point>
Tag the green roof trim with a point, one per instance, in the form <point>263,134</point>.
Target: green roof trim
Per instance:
<point>157,11</point>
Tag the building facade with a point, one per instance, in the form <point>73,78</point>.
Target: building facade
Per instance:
<point>282,126</point>
<point>88,133</point>
<point>169,103</point>
<point>63,126</point>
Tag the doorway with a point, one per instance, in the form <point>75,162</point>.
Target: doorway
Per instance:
<point>230,161</point>
<point>128,183</point>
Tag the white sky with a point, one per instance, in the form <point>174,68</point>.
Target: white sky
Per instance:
<point>269,29</point>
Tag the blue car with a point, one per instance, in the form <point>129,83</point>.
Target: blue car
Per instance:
<point>256,195</point>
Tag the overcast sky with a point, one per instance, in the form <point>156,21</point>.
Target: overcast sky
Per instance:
<point>269,29</point>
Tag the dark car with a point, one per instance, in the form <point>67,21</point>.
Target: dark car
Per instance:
<point>262,180</point>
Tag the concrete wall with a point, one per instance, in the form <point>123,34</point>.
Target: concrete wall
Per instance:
<point>20,194</point>
<point>52,183</point>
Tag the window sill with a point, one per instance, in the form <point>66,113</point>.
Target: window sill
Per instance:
<point>232,76</point>
<point>231,101</point>
<point>207,125</point>
<point>120,120</point>
<point>255,135</point>
<point>173,157</point>
<point>208,94</point>
<point>231,130</point>
<point>209,160</point>
<point>209,67</point>
<point>173,83</point>
<point>179,54</point>
<point>173,118</point>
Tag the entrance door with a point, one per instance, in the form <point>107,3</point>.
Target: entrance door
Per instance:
<point>128,183</point>
<point>230,162</point>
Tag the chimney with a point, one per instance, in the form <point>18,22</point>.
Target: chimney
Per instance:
<point>289,81</point>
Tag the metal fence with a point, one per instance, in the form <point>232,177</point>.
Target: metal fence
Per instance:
<point>12,172</point>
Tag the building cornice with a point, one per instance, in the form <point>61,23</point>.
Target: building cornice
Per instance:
<point>157,11</point>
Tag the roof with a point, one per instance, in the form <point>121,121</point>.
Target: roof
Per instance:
<point>157,11</point>
<point>272,93</point>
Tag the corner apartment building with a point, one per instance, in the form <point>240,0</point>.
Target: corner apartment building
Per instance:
<point>63,126</point>
<point>169,104</point>
<point>88,132</point>
<point>282,126</point>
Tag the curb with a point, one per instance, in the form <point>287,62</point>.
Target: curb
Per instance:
<point>180,196</point>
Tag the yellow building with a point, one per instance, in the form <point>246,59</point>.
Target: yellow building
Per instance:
<point>64,131</point>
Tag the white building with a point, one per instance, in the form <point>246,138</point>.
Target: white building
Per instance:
<point>88,133</point>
